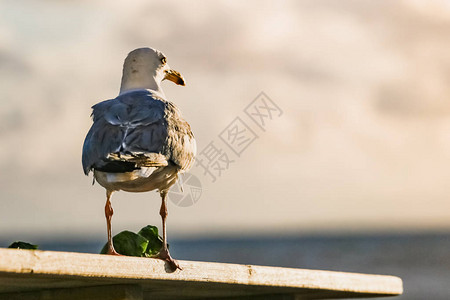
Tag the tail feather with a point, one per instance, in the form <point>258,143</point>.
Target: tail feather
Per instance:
<point>140,159</point>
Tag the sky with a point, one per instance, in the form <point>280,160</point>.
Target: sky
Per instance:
<point>356,138</point>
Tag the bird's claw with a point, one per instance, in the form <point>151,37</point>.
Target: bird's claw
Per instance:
<point>112,251</point>
<point>165,255</point>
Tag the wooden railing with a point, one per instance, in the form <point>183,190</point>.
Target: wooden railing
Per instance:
<point>33,275</point>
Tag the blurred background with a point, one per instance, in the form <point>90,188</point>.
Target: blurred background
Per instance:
<point>352,176</point>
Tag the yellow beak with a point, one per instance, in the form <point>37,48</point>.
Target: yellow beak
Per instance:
<point>175,77</point>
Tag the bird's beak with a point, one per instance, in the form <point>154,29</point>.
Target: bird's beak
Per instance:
<point>174,76</point>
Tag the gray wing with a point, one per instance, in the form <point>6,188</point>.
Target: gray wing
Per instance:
<point>129,132</point>
<point>181,144</point>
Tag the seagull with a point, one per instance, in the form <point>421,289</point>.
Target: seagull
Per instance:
<point>139,141</point>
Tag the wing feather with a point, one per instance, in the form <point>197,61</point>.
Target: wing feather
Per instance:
<point>134,130</point>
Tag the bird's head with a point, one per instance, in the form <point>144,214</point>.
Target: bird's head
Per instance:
<point>146,68</point>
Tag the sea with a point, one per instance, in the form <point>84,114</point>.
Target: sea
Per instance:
<point>422,260</point>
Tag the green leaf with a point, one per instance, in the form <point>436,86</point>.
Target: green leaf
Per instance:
<point>155,242</point>
<point>128,243</point>
<point>23,245</point>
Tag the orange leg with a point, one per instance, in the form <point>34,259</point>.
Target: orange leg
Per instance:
<point>164,253</point>
<point>108,214</point>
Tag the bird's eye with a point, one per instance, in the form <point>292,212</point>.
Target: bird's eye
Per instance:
<point>163,60</point>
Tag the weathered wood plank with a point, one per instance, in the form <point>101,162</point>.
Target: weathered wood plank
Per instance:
<point>25,270</point>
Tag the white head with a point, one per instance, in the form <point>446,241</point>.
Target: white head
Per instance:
<point>146,68</point>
